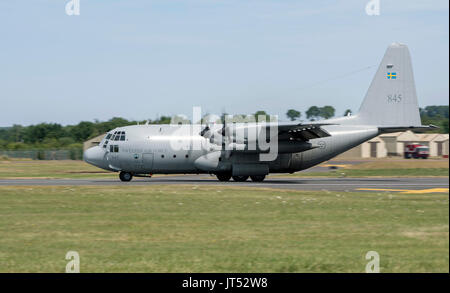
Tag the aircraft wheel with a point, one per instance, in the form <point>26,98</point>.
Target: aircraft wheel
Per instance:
<point>125,176</point>
<point>223,176</point>
<point>240,178</point>
<point>258,178</point>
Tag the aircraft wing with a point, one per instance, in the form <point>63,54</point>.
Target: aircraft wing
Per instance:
<point>286,130</point>
<point>301,131</point>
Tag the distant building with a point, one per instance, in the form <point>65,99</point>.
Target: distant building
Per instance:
<point>393,144</point>
<point>93,141</point>
<point>374,148</point>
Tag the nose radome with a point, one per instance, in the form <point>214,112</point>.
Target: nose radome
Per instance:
<point>93,155</point>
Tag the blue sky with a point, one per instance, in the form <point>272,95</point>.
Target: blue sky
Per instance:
<point>141,59</point>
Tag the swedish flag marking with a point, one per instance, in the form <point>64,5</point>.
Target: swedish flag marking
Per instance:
<point>391,75</point>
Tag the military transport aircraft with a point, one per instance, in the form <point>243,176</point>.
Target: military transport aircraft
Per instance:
<point>390,105</point>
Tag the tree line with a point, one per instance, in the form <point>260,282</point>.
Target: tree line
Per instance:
<point>315,113</point>
<point>55,136</point>
<point>436,115</point>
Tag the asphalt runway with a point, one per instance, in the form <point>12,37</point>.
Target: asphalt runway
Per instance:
<point>405,185</point>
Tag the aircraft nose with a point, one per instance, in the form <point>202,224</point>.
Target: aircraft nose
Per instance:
<point>94,156</point>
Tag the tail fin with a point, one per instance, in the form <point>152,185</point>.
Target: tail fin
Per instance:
<point>391,99</point>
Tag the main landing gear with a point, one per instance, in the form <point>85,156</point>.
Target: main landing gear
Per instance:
<point>243,178</point>
<point>258,178</point>
<point>125,176</point>
<point>240,178</point>
<point>223,176</point>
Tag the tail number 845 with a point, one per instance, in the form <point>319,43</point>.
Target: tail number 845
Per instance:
<point>395,98</point>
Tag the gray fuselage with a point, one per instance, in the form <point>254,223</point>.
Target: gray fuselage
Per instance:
<point>178,149</point>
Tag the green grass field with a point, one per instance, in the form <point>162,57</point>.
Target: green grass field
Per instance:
<point>220,229</point>
<point>51,169</point>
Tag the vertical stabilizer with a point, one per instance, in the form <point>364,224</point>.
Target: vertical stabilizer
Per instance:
<point>391,99</point>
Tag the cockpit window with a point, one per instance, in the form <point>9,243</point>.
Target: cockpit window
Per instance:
<point>116,136</point>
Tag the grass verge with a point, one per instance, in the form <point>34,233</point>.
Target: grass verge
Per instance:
<point>219,229</point>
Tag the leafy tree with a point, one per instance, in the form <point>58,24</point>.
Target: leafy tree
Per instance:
<point>444,126</point>
<point>162,120</point>
<point>260,113</point>
<point>435,111</point>
<point>82,131</point>
<point>37,133</point>
<point>179,119</point>
<point>293,114</point>
<point>16,146</point>
<point>313,113</point>
<point>239,118</point>
<point>436,115</point>
<point>16,133</point>
<point>326,112</point>
<point>348,112</point>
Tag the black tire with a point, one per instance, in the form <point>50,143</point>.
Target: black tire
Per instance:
<point>223,176</point>
<point>125,176</point>
<point>258,178</point>
<point>240,178</point>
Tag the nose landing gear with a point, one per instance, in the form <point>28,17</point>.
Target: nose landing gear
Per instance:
<point>125,176</point>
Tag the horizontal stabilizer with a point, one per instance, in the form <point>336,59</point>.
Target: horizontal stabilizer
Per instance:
<point>388,129</point>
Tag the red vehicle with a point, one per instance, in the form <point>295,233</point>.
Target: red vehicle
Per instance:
<point>417,151</point>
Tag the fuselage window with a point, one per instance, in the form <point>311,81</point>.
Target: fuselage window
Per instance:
<point>106,143</point>
<point>111,148</point>
<point>117,137</point>
<point>116,148</point>
<point>108,136</point>
<point>122,136</point>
